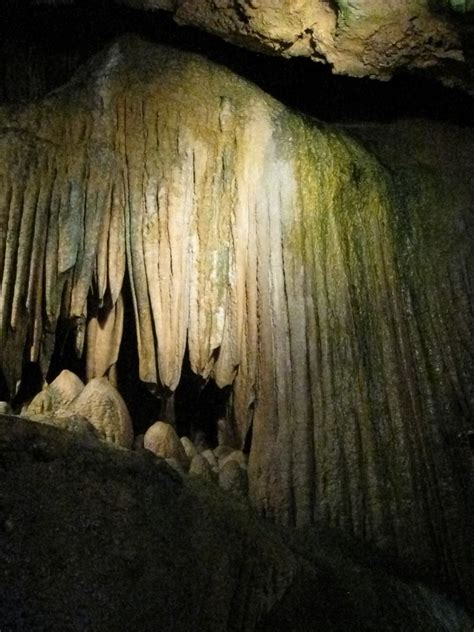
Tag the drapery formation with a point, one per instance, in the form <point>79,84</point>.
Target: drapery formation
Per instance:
<point>332,292</point>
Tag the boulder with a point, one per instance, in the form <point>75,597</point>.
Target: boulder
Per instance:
<point>211,459</point>
<point>235,455</point>
<point>162,440</point>
<point>200,467</point>
<point>222,451</point>
<point>56,395</point>
<point>104,407</point>
<point>233,479</point>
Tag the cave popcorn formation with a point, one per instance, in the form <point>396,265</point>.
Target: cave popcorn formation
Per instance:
<point>325,278</point>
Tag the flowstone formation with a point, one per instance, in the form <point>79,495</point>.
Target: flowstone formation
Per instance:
<point>330,288</point>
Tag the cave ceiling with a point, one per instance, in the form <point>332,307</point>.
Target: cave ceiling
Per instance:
<point>360,38</point>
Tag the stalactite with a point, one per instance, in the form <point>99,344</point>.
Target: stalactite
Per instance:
<point>330,290</point>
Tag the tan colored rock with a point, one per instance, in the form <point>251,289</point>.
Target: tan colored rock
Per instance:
<point>104,407</point>
<point>211,459</point>
<point>279,251</point>
<point>200,467</point>
<point>56,395</point>
<point>104,332</point>
<point>222,451</point>
<point>358,37</point>
<point>233,479</point>
<point>235,455</point>
<point>162,440</point>
<point>189,447</point>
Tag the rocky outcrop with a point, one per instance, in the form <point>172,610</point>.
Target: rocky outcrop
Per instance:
<point>95,538</point>
<point>96,409</point>
<point>361,38</point>
<point>329,288</point>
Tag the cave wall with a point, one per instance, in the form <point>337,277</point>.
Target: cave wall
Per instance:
<point>325,273</point>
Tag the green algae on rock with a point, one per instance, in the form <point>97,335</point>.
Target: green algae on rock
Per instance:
<point>329,286</point>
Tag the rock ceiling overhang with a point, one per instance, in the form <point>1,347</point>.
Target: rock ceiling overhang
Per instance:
<point>360,38</point>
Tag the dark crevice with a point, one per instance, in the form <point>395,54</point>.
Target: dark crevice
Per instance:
<point>31,383</point>
<point>64,353</point>
<point>199,405</point>
<point>144,406</point>
<point>248,439</point>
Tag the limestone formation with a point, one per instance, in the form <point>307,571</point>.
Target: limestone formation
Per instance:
<point>102,405</point>
<point>222,451</point>
<point>189,447</point>
<point>56,395</point>
<point>200,467</point>
<point>104,333</point>
<point>324,273</point>
<point>211,459</point>
<point>233,478</point>
<point>162,440</point>
<point>361,38</point>
<point>224,437</point>
<point>237,456</point>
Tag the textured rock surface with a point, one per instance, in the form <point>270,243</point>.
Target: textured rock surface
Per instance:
<point>162,440</point>
<point>200,467</point>
<point>189,447</point>
<point>233,479</point>
<point>102,405</point>
<point>357,37</point>
<point>332,291</point>
<point>73,423</point>
<point>100,539</point>
<point>58,394</point>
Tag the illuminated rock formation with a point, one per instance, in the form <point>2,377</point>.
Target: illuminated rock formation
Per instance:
<point>355,37</point>
<point>161,439</point>
<point>101,404</point>
<point>61,392</point>
<point>328,286</point>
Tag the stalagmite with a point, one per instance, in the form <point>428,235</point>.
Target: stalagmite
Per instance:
<point>101,404</point>
<point>330,287</point>
<point>162,440</point>
<point>56,395</point>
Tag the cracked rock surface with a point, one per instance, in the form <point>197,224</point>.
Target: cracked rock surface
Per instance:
<point>373,38</point>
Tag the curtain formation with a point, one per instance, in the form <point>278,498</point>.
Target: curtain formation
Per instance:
<point>327,283</point>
